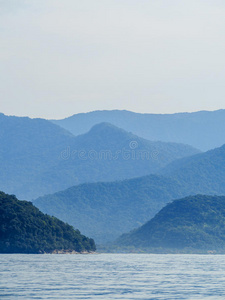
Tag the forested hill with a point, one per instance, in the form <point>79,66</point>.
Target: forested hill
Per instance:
<point>195,223</point>
<point>137,200</point>
<point>203,173</point>
<point>105,210</point>
<point>25,229</point>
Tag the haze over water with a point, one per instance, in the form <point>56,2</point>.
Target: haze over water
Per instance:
<point>112,276</point>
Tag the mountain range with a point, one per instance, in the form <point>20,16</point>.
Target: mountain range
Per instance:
<point>105,210</point>
<point>38,157</point>
<point>106,181</point>
<point>203,130</point>
<point>121,206</point>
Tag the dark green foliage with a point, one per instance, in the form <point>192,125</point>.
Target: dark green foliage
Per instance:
<point>24,229</point>
<point>195,222</point>
<point>38,157</point>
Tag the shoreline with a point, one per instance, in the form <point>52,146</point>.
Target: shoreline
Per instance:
<point>68,252</point>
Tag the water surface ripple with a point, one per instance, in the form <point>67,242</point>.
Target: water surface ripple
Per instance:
<point>112,276</point>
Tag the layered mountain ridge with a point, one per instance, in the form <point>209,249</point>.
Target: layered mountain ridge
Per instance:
<point>137,200</point>
<point>38,157</point>
<point>203,130</point>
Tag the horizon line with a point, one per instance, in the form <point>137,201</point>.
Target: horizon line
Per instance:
<point>111,110</point>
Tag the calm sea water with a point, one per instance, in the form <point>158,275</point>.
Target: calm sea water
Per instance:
<point>112,276</point>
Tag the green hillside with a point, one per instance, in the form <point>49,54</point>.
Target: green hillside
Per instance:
<point>204,172</point>
<point>136,200</point>
<point>190,224</point>
<point>24,229</point>
<point>106,210</point>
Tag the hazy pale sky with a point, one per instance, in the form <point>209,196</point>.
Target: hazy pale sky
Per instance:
<point>58,58</point>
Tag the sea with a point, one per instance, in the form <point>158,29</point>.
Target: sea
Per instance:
<point>112,276</point>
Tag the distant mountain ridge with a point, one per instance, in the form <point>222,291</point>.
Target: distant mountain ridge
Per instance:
<point>28,148</point>
<point>204,172</point>
<point>135,201</point>
<point>105,210</point>
<point>203,130</point>
<point>38,157</point>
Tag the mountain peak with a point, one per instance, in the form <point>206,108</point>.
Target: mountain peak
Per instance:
<point>106,128</point>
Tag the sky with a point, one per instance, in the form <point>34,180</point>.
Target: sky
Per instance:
<point>59,58</point>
